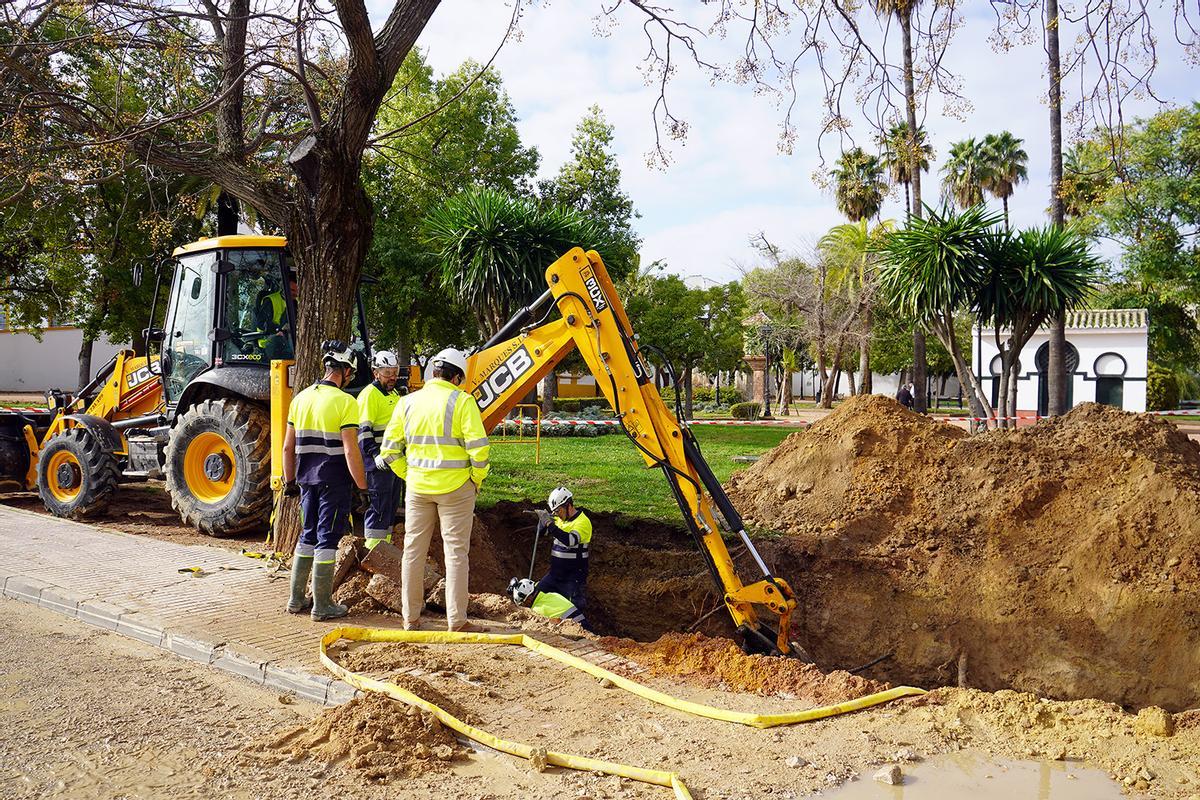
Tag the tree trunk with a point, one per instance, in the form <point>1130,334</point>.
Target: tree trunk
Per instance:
<point>920,371</point>
<point>717,388</point>
<point>549,392</point>
<point>785,394</point>
<point>1012,387</point>
<point>907,203</point>
<point>980,407</point>
<point>920,368</point>
<point>1002,393</point>
<point>1056,387</point>
<point>864,365</point>
<point>851,384</point>
<point>687,392</point>
<point>85,360</point>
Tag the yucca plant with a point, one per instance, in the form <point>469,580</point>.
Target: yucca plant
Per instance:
<point>936,267</point>
<point>494,248</point>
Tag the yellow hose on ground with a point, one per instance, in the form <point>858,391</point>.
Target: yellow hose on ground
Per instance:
<point>655,777</point>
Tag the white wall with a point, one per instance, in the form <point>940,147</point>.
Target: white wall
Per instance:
<point>27,365</point>
<point>1130,344</point>
<point>803,384</point>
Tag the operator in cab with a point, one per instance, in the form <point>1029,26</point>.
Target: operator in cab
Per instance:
<point>572,537</point>
<point>376,402</point>
<point>436,443</point>
<point>551,605</point>
<point>322,464</point>
<point>270,312</point>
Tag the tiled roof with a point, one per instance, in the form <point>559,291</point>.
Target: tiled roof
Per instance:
<point>1094,318</point>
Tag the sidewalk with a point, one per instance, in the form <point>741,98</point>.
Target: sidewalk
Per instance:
<point>231,618</point>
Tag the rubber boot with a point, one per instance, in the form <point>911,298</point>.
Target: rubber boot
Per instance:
<point>322,588</point>
<point>301,569</point>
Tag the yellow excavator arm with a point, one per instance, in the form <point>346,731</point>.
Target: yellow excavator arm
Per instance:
<point>590,317</point>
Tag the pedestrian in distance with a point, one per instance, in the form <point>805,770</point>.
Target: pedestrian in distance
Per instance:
<point>904,396</point>
<point>437,444</point>
<point>569,550</point>
<point>376,403</point>
<point>322,464</point>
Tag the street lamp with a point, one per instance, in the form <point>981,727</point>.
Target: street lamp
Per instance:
<point>764,332</point>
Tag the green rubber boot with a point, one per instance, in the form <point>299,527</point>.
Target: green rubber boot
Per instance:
<point>322,589</point>
<point>301,569</point>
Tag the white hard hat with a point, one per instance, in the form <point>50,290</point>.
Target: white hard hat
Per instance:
<point>335,352</point>
<point>559,498</point>
<point>453,357</point>
<point>519,590</point>
<point>384,359</point>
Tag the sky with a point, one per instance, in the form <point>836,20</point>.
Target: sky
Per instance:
<point>729,181</point>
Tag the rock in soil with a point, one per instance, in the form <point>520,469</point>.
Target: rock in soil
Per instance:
<point>1038,553</point>
<point>891,775</point>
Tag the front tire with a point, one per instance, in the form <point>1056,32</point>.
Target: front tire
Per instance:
<point>218,467</point>
<point>76,474</point>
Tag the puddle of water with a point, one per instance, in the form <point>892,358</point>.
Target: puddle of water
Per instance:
<point>974,775</point>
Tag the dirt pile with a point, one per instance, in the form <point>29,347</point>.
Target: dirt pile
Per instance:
<point>373,735</point>
<point>1060,558</point>
<point>721,663</point>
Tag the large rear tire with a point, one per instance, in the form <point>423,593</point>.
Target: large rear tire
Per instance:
<point>76,474</point>
<point>218,467</point>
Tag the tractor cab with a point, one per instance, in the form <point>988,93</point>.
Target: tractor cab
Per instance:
<point>231,311</point>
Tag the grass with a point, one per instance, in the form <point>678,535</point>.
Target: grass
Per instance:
<point>608,473</point>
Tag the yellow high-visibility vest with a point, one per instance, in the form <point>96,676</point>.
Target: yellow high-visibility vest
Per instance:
<point>375,408</point>
<point>436,440</point>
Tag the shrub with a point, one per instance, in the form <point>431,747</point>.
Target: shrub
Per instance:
<point>579,405</point>
<point>1162,389</point>
<point>746,410</point>
<point>703,395</point>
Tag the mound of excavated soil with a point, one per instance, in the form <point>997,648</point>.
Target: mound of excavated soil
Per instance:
<point>721,663</point>
<point>1061,558</point>
<point>374,735</point>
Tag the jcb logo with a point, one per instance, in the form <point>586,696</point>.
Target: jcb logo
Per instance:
<point>138,377</point>
<point>594,290</point>
<point>502,377</point>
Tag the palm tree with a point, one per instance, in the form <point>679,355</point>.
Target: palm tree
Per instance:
<point>494,249</point>
<point>850,250</point>
<point>903,11</point>
<point>899,159</point>
<point>859,186</point>
<point>964,174</point>
<point>1005,166</point>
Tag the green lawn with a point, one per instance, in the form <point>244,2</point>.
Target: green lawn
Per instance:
<point>607,473</point>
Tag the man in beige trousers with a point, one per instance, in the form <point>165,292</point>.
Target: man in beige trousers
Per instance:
<point>436,443</point>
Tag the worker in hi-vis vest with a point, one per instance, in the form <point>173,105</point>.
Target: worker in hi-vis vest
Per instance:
<point>570,550</point>
<point>322,464</point>
<point>437,444</point>
<point>376,402</point>
<point>551,605</point>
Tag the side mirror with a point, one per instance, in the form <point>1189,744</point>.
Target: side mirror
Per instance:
<point>197,286</point>
<point>164,363</point>
<point>155,335</point>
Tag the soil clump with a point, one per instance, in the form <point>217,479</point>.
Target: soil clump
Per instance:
<point>373,735</point>
<point>721,664</point>
<point>1060,558</point>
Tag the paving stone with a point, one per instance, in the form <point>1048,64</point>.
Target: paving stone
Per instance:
<point>339,693</point>
<point>20,587</point>
<point>64,601</point>
<point>141,627</point>
<point>297,681</point>
<point>101,613</point>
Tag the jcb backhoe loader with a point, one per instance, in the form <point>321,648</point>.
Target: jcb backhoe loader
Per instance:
<point>195,415</point>
<point>590,317</point>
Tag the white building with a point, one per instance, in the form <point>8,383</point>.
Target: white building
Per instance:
<point>27,365</point>
<point>1107,358</point>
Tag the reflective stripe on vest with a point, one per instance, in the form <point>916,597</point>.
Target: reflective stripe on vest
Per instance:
<point>447,439</point>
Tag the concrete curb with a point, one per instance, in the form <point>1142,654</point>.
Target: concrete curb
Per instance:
<point>250,663</point>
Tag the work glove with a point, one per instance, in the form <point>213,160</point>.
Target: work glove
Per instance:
<point>381,463</point>
<point>544,518</point>
<point>291,489</point>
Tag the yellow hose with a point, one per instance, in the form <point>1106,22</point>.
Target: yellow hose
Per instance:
<point>655,777</point>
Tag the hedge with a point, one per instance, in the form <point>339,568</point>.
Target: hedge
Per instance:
<point>746,410</point>
<point>704,395</point>
<point>1162,389</point>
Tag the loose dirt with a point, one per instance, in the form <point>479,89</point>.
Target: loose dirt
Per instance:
<point>1059,559</point>
<point>375,736</point>
<point>720,663</point>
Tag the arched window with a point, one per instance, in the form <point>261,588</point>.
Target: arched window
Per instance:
<point>1110,380</point>
<point>1041,360</point>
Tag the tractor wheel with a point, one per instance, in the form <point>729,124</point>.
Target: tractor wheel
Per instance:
<point>76,474</point>
<point>218,467</point>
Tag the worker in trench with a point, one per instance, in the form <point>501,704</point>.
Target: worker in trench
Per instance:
<point>376,403</point>
<point>436,443</point>
<point>571,533</point>
<point>551,605</point>
<point>322,464</point>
